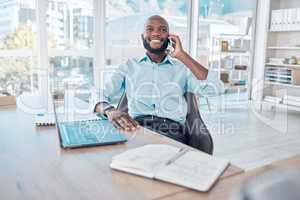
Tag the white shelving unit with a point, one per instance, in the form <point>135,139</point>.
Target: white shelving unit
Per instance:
<point>282,81</point>
<point>225,61</point>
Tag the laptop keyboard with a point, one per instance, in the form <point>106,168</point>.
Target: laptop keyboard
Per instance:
<point>89,132</point>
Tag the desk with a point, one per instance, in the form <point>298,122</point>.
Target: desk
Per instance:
<point>33,166</point>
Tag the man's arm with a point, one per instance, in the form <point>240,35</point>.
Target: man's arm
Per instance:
<point>196,68</point>
<point>109,88</point>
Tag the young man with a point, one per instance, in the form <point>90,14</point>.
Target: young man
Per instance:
<point>154,84</point>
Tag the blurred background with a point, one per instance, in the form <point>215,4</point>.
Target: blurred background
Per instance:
<point>70,39</point>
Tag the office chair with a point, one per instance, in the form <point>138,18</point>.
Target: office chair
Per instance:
<point>200,137</point>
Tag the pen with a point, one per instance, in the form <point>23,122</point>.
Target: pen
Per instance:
<point>180,153</point>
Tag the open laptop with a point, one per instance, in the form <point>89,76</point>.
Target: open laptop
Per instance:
<point>87,133</point>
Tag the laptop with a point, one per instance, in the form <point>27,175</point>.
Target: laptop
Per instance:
<point>87,133</point>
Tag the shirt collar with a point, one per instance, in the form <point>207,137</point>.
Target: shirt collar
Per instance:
<point>167,59</point>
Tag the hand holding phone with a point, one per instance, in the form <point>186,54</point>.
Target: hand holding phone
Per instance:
<point>175,45</point>
<point>170,47</point>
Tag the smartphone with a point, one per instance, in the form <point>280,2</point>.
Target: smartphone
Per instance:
<point>170,47</point>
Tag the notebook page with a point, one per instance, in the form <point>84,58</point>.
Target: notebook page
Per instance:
<point>144,160</point>
<point>195,170</point>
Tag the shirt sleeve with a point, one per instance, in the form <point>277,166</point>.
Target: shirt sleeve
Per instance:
<point>112,83</point>
<point>193,84</point>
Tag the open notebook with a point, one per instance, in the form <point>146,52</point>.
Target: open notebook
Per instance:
<point>192,169</point>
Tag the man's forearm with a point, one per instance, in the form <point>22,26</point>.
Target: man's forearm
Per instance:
<point>197,69</point>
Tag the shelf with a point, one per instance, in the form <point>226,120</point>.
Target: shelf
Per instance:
<point>283,48</point>
<point>281,105</point>
<point>207,21</point>
<point>278,75</point>
<point>284,65</point>
<point>227,70</point>
<point>233,36</point>
<point>282,84</point>
<point>284,31</point>
<point>233,53</point>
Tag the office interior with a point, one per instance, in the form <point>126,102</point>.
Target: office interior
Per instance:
<point>250,101</point>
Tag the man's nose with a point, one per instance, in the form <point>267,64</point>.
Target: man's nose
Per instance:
<point>156,33</point>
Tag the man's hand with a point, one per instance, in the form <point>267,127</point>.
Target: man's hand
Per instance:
<point>197,69</point>
<point>121,120</point>
<point>176,43</point>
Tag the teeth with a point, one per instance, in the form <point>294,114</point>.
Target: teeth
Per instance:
<point>155,41</point>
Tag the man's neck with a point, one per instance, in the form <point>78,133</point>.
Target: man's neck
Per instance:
<point>157,58</point>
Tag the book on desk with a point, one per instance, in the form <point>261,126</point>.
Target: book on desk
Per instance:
<point>185,167</point>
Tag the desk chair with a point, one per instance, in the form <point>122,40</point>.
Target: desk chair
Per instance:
<point>200,137</point>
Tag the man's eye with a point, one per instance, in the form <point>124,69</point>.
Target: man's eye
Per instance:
<point>149,29</point>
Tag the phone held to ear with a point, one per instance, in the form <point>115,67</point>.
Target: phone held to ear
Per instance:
<point>170,47</point>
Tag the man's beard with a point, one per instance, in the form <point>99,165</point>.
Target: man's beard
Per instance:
<point>159,51</point>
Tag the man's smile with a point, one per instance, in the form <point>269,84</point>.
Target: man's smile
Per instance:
<point>156,43</point>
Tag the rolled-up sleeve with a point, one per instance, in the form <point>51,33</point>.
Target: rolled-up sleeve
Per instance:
<point>193,84</point>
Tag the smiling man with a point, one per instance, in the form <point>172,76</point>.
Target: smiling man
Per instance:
<point>154,84</point>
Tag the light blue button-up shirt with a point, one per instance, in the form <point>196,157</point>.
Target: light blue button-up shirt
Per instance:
<point>151,88</point>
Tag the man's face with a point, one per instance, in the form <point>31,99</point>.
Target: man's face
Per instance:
<point>155,36</point>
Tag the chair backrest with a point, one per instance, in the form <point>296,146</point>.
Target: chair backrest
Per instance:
<point>123,104</point>
<point>200,137</point>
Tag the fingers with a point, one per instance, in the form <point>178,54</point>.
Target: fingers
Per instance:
<point>173,41</point>
<point>131,123</point>
<point>176,41</point>
<point>173,35</point>
<point>119,124</point>
<point>122,121</point>
<point>116,124</point>
<point>135,124</point>
<point>127,123</point>
<point>174,38</point>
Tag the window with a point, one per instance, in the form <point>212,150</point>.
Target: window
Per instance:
<point>76,71</point>
<point>70,24</point>
<point>70,37</point>
<point>70,43</point>
<point>18,47</point>
<point>224,38</point>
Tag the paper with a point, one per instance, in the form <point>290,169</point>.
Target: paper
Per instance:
<point>193,169</point>
<point>147,158</point>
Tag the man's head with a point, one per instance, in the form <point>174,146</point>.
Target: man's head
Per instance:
<point>155,36</point>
